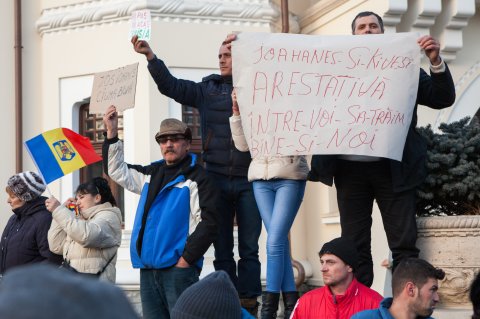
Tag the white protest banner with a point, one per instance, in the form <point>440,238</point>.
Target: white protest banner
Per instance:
<point>116,87</point>
<point>141,25</point>
<point>304,94</point>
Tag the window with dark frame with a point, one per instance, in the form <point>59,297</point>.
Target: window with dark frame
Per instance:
<point>91,126</point>
<point>191,117</point>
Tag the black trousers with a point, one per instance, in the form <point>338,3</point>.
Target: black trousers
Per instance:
<point>358,185</point>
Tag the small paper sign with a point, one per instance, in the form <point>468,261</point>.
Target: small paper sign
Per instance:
<point>116,87</point>
<point>141,25</point>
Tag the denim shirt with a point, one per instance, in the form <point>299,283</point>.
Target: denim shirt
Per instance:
<point>380,313</point>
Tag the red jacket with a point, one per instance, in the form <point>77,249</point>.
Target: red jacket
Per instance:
<point>321,303</point>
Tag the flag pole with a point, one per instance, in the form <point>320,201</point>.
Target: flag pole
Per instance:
<point>49,193</point>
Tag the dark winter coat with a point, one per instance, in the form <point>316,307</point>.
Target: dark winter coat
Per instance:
<point>436,91</point>
<point>212,98</point>
<point>24,239</point>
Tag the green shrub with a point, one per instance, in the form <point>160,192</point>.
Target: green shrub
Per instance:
<point>452,186</point>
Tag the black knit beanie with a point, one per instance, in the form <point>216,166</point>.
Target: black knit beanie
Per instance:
<point>26,185</point>
<point>344,249</point>
<point>42,291</point>
<point>213,297</point>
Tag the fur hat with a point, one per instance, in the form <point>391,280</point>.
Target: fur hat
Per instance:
<point>26,185</point>
<point>344,249</point>
<point>43,291</point>
<point>173,127</point>
<point>212,297</point>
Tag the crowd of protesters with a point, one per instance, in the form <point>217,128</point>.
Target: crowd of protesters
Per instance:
<point>185,207</point>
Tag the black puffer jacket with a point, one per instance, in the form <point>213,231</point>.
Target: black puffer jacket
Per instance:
<point>212,99</point>
<point>24,239</point>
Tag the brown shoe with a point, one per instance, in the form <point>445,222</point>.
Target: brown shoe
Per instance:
<point>250,305</point>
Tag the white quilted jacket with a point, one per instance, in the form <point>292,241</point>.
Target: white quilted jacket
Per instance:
<point>87,241</point>
<point>266,168</point>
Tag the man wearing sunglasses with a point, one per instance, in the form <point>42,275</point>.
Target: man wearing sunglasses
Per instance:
<point>176,217</point>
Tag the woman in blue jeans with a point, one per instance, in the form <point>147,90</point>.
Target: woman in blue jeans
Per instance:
<point>278,185</point>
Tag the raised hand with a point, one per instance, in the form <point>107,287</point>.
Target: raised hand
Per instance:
<point>431,48</point>
<point>228,40</point>
<point>235,109</point>
<point>51,204</point>
<point>142,47</point>
<point>110,120</point>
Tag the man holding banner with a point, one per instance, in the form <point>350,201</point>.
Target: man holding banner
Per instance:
<point>360,180</point>
<point>227,165</point>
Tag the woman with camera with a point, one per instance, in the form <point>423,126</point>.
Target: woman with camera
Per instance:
<point>88,236</point>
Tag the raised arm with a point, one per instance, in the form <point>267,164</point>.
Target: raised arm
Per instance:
<point>131,177</point>
<point>431,48</point>
<point>110,120</point>
<point>236,127</point>
<point>436,90</point>
<point>142,47</point>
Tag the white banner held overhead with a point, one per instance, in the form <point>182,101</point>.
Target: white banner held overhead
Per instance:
<point>304,94</point>
<point>116,87</point>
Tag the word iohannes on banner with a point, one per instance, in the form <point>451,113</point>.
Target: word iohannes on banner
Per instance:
<point>365,57</point>
<point>346,95</point>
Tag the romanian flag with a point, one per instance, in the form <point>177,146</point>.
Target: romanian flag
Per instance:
<point>59,152</point>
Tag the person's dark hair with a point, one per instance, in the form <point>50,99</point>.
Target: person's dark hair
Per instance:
<point>475,297</point>
<point>366,14</point>
<point>97,185</point>
<point>414,270</point>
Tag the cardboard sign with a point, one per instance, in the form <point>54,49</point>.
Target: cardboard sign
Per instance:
<point>304,94</point>
<point>116,87</point>
<point>141,25</point>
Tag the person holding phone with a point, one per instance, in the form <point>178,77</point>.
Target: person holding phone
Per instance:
<point>90,239</point>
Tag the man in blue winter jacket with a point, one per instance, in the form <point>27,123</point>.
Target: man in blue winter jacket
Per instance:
<point>224,163</point>
<point>176,219</point>
<point>415,292</point>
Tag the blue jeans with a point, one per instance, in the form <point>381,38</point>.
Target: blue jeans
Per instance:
<point>160,289</point>
<point>278,201</point>
<point>237,200</point>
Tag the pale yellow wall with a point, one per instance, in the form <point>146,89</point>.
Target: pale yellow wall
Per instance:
<point>470,53</point>
<point>7,120</point>
<point>32,77</point>
<point>463,63</point>
<point>57,3</point>
<point>466,70</point>
<point>31,91</point>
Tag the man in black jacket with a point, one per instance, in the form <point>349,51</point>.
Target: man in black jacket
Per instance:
<point>360,180</point>
<point>224,163</point>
